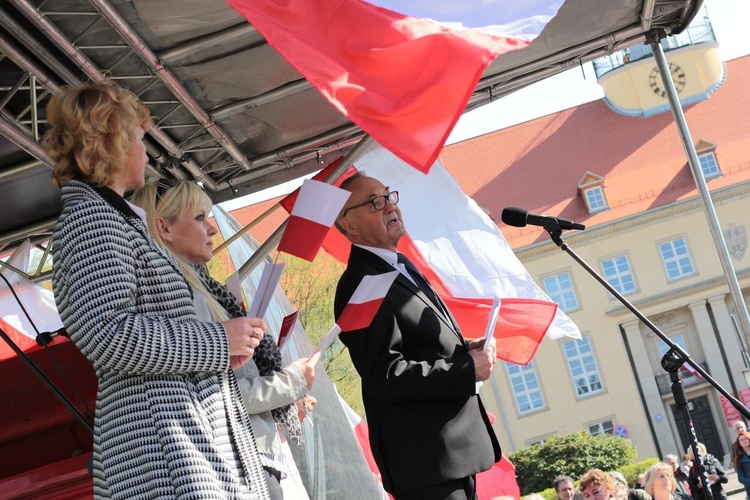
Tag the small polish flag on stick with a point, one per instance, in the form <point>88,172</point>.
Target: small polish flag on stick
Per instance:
<point>365,301</point>
<point>314,212</point>
<point>362,306</point>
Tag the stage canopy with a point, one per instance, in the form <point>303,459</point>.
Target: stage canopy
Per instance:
<point>230,111</point>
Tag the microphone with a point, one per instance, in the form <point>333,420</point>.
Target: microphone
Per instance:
<point>520,217</point>
<point>45,338</point>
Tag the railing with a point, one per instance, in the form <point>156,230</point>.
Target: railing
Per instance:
<point>700,30</point>
<point>689,379</point>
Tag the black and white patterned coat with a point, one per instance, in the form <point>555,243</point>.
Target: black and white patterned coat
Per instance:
<point>166,390</point>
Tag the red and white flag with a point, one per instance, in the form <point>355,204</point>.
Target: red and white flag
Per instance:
<point>689,371</point>
<point>404,75</point>
<point>314,212</point>
<point>365,301</point>
<point>465,257</point>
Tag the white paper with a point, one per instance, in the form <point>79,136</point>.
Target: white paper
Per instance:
<point>233,285</point>
<point>329,338</point>
<point>287,326</point>
<point>263,294</point>
<point>492,322</point>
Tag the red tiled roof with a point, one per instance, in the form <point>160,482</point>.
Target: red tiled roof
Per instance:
<point>538,164</point>
<point>268,225</point>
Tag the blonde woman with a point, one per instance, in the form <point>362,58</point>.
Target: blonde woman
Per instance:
<point>714,469</point>
<point>177,215</point>
<point>661,484</point>
<point>169,418</point>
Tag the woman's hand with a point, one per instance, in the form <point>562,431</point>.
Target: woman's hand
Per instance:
<point>244,335</point>
<point>307,367</point>
<point>305,406</point>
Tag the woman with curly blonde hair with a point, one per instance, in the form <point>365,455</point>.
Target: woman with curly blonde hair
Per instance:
<point>597,485</point>
<point>169,417</point>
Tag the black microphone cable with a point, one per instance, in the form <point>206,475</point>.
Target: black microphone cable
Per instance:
<point>42,376</point>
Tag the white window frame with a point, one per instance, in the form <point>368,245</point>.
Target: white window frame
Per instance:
<point>616,279</point>
<point>583,367</point>
<point>562,295</point>
<point>600,425</point>
<point>530,393</point>
<point>709,164</point>
<point>677,260</point>
<point>595,200</point>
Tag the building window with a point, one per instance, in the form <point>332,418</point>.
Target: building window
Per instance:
<point>604,427</point>
<point>560,289</point>
<point>582,366</point>
<point>525,385</point>
<point>677,339</point>
<point>538,440</point>
<point>676,259</point>
<point>709,165</point>
<point>617,272</point>
<point>595,199</point>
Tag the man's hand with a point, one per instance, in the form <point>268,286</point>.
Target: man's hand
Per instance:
<point>484,359</point>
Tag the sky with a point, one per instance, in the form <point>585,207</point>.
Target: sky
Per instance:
<point>574,87</point>
<point>565,90</point>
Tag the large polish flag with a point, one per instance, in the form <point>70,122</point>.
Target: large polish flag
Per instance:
<point>365,301</point>
<point>464,256</point>
<point>314,211</point>
<point>402,70</point>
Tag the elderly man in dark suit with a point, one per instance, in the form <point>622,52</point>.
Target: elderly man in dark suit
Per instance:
<point>429,432</point>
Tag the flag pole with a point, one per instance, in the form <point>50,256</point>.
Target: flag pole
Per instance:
<point>245,229</point>
<point>268,245</point>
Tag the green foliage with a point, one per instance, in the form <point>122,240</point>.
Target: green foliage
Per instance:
<point>549,494</point>
<point>631,471</point>
<point>572,454</point>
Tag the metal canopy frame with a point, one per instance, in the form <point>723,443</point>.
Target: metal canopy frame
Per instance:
<point>183,59</point>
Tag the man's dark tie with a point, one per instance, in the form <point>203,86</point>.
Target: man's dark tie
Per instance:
<point>420,280</point>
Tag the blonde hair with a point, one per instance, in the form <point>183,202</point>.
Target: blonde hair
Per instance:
<point>91,131</point>
<point>597,477</point>
<point>701,448</point>
<point>651,476</point>
<point>168,202</point>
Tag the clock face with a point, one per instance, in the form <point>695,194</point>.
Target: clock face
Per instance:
<point>678,77</point>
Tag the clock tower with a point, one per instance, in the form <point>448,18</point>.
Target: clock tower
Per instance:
<point>632,82</point>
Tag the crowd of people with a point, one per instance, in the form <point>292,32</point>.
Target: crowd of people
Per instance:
<point>673,478</point>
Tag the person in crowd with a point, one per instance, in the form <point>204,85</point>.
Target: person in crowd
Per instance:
<point>597,485</point>
<point>429,432</point>
<point>564,487</point>
<point>738,426</point>
<point>714,469</point>
<point>169,417</point>
<point>624,492</point>
<point>640,481</point>
<point>178,218</point>
<point>741,452</point>
<point>661,483</point>
<point>686,464</point>
<point>684,482</point>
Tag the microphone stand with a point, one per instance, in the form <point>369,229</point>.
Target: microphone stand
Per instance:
<point>671,362</point>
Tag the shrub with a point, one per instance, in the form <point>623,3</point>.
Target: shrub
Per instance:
<point>572,454</point>
<point>631,471</point>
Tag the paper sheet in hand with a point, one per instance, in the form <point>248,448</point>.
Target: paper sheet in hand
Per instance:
<point>287,326</point>
<point>233,285</point>
<point>329,338</point>
<point>268,281</point>
<point>494,312</point>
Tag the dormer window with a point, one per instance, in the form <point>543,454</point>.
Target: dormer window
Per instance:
<point>591,189</point>
<point>707,156</point>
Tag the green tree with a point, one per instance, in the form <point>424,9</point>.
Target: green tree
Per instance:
<point>572,454</point>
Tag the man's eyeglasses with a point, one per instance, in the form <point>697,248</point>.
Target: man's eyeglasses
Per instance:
<point>378,203</point>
